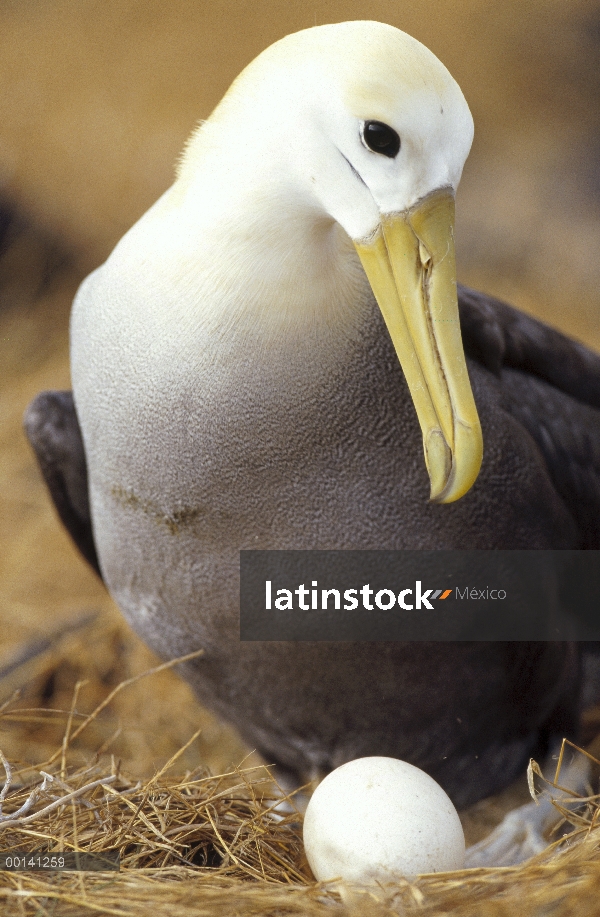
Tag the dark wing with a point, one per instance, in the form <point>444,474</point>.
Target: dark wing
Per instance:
<point>551,385</point>
<point>497,335</point>
<point>53,430</point>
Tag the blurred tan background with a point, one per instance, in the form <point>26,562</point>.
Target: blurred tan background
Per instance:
<point>97,98</point>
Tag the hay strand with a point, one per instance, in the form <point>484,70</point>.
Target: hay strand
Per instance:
<point>194,843</point>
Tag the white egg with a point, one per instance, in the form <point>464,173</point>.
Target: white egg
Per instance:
<point>378,819</point>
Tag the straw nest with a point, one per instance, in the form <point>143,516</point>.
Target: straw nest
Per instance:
<point>191,843</point>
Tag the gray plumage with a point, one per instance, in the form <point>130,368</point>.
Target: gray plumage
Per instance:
<point>310,707</point>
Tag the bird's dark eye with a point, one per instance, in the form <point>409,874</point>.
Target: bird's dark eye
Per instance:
<point>381,138</point>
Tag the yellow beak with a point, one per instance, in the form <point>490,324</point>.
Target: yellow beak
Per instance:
<point>410,265</point>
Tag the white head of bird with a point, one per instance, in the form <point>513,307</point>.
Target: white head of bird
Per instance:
<point>301,107</point>
<point>338,145</point>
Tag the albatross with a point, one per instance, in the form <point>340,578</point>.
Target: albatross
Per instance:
<point>271,358</point>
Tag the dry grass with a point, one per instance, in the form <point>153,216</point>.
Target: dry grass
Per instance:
<point>195,844</point>
<point>191,843</point>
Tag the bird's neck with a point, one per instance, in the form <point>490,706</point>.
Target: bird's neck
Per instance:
<point>254,250</point>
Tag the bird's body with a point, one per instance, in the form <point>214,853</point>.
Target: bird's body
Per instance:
<point>335,462</point>
<point>237,388</point>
